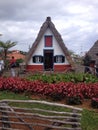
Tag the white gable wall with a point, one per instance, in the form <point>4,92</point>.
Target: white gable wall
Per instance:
<point>41,46</point>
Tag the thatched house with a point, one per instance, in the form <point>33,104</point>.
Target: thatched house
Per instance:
<point>48,52</point>
<point>93,52</point>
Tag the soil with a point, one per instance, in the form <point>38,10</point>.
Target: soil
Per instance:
<point>85,105</point>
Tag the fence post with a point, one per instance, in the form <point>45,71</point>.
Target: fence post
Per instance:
<point>74,120</point>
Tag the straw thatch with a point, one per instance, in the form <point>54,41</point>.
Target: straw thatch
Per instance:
<point>93,52</point>
<point>48,24</point>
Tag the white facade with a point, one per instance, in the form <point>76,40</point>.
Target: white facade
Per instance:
<point>41,47</point>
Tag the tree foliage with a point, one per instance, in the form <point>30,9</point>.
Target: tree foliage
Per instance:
<point>5,46</point>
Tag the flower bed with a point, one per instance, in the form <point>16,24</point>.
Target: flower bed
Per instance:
<point>74,93</point>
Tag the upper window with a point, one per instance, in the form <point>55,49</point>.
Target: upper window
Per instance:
<point>48,41</point>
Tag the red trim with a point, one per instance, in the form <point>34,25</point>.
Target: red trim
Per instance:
<point>34,67</point>
<point>60,68</point>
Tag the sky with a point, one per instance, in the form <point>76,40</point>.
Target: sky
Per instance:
<point>75,20</point>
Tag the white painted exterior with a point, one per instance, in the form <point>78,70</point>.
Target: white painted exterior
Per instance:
<point>41,47</point>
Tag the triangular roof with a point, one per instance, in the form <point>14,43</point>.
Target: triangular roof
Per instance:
<point>93,52</point>
<point>48,24</point>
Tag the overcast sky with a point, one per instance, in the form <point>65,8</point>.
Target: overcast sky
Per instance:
<point>75,20</point>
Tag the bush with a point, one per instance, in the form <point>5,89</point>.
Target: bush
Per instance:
<point>74,100</point>
<point>94,102</point>
<point>67,77</point>
<point>57,97</point>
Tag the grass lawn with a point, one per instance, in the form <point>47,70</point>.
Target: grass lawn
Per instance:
<point>11,95</point>
<point>89,117</point>
<point>89,120</point>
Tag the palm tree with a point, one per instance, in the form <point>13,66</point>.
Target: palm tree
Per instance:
<point>5,46</point>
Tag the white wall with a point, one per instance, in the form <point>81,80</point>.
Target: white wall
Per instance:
<point>41,46</point>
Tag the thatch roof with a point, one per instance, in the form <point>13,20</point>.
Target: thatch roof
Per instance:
<point>48,24</point>
<point>93,52</point>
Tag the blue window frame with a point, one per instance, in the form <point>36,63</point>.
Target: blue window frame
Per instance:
<point>59,59</point>
<point>37,59</point>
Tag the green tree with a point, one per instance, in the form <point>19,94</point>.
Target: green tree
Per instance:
<point>76,58</point>
<point>5,46</point>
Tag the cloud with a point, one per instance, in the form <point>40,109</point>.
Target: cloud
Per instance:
<point>75,20</point>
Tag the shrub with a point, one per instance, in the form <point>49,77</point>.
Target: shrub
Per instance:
<point>67,77</point>
<point>94,102</point>
<point>74,92</point>
<point>57,97</point>
<point>74,100</point>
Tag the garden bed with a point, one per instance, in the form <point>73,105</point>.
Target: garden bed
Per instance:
<point>58,88</point>
<point>85,105</point>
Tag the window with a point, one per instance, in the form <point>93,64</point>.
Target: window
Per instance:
<point>48,41</point>
<point>59,59</point>
<point>37,59</point>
